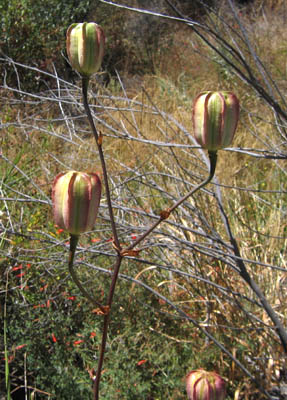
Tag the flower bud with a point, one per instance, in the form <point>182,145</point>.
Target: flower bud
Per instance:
<point>85,47</point>
<point>76,198</point>
<point>215,117</point>
<point>204,385</point>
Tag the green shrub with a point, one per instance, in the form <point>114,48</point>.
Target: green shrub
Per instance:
<point>33,33</point>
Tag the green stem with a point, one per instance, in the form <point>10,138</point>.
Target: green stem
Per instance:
<point>73,245</point>
<point>85,84</point>
<point>105,328</point>
<point>213,159</point>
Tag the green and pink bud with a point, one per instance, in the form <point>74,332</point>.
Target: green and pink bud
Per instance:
<point>204,385</point>
<point>85,47</point>
<point>76,199</point>
<point>215,117</point>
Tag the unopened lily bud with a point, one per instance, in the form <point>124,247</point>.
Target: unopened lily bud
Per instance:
<point>204,385</point>
<point>76,198</point>
<point>85,47</point>
<point>215,117</point>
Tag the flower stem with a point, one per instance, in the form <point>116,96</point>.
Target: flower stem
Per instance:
<point>85,84</point>
<point>73,245</point>
<point>164,215</point>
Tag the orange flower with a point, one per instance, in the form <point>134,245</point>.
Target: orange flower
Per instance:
<point>76,342</point>
<point>54,338</point>
<point>20,275</point>
<point>141,362</point>
<point>20,346</point>
<point>17,268</point>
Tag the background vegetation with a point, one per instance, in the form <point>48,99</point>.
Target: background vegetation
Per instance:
<point>184,289</point>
